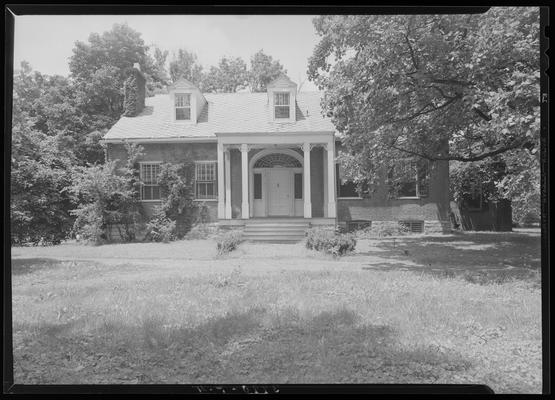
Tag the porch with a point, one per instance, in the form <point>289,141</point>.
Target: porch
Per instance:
<point>276,176</point>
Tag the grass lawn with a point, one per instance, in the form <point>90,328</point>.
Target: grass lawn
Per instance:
<point>459,308</point>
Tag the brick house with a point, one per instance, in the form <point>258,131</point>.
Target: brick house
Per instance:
<point>265,158</point>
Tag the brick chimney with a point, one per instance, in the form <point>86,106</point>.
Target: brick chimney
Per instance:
<point>134,92</point>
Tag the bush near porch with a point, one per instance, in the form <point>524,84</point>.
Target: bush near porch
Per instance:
<point>329,241</point>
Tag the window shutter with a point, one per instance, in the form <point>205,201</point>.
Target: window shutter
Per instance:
<point>424,179</point>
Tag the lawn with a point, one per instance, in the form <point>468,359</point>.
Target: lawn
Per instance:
<point>461,308</point>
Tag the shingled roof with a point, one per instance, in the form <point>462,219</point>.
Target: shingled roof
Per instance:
<point>223,113</point>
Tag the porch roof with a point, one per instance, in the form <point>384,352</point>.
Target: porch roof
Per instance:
<point>224,113</point>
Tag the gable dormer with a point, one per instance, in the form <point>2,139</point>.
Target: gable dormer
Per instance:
<point>187,101</point>
<point>282,97</point>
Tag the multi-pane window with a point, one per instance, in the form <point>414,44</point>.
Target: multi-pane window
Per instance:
<point>345,188</point>
<point>183,106</point>
<point>414,179</point>
<point>281,105</point>
<point>205,180</point>
<point>150,190</point>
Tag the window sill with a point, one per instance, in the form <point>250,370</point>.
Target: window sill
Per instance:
<point>150,201</point>
<point>350,198</point>
<point>409,198</point>
<point>205,199</point>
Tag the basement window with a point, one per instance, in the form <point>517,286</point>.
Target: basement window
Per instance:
<point>412,226</point>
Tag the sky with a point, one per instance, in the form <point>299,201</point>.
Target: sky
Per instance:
<point>46,42</point>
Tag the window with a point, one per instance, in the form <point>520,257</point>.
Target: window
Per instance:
<point>281,105</point>
<point>346,188</point>
<point>183,107</point>
<point>414,178</point>
<point>150,190</point>
<point>257,186</point>
<point>298,186</point>
<point>205,180</point>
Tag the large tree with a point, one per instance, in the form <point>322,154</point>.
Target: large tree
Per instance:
<point>436,87</point>
<point>99,68</point>
<point>185,64</point>
<point>228,77</point>
<point>264,69</point>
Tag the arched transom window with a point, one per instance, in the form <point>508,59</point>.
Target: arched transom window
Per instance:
<point>277,160</point>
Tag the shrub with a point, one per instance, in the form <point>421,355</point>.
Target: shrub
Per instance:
<point>329,241</point>
<point>107,198</point>
<point>160,228</point>
<point>177,194</point>
<point>228,241</point>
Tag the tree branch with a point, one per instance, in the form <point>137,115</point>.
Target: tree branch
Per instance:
<point>478,157</point>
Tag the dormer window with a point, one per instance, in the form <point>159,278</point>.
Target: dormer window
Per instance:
<point>281,105</point>
<point>182,106</point>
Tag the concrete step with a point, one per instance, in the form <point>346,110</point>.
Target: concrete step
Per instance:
<point>277,221</point>
<point>275,228</point>
<point>273,239</point>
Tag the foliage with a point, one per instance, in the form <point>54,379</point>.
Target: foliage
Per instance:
<point>133,95</point>
<point>264,69</point>
<point>177,194</point>
<point>38,203</point>
<point>522,185</point>
<point>185,64</point>
<point>160,228</point>
<point>228,77</point>
<point>328,241</point>
<point>99,69</point>
<point>108,199</point>
<point>439,87</point>
<point>228,241</point>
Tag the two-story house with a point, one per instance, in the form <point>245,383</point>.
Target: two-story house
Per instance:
<point>264,158</point>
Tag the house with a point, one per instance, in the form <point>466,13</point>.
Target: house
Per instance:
<point>265,158</point>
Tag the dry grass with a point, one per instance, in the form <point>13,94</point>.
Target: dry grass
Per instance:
<point>178,313</point>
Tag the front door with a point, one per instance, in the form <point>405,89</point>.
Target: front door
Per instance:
<point>279,192</point>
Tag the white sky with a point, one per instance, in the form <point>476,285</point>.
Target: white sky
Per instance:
<point>46,42</point>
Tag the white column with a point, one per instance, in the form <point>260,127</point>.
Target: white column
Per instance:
<point>227,185</point>
<point>221,182</point>
<point>331,179</point>
<point>245,181</point>
<point>306,179</point>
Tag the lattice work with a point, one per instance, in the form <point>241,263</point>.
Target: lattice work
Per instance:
<point>278,160</point>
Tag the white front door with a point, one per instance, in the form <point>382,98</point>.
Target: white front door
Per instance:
<point>279,192</point>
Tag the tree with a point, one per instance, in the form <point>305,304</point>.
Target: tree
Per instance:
<point>437,87</point>
<point>264,69</point>
<point>159,77</point>
<point>185,64</point>
<point>100,67</point>
<point>229,76</point>
<point>39,205</point>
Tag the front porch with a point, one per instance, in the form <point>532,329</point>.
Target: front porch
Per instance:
<point>276,176</point>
